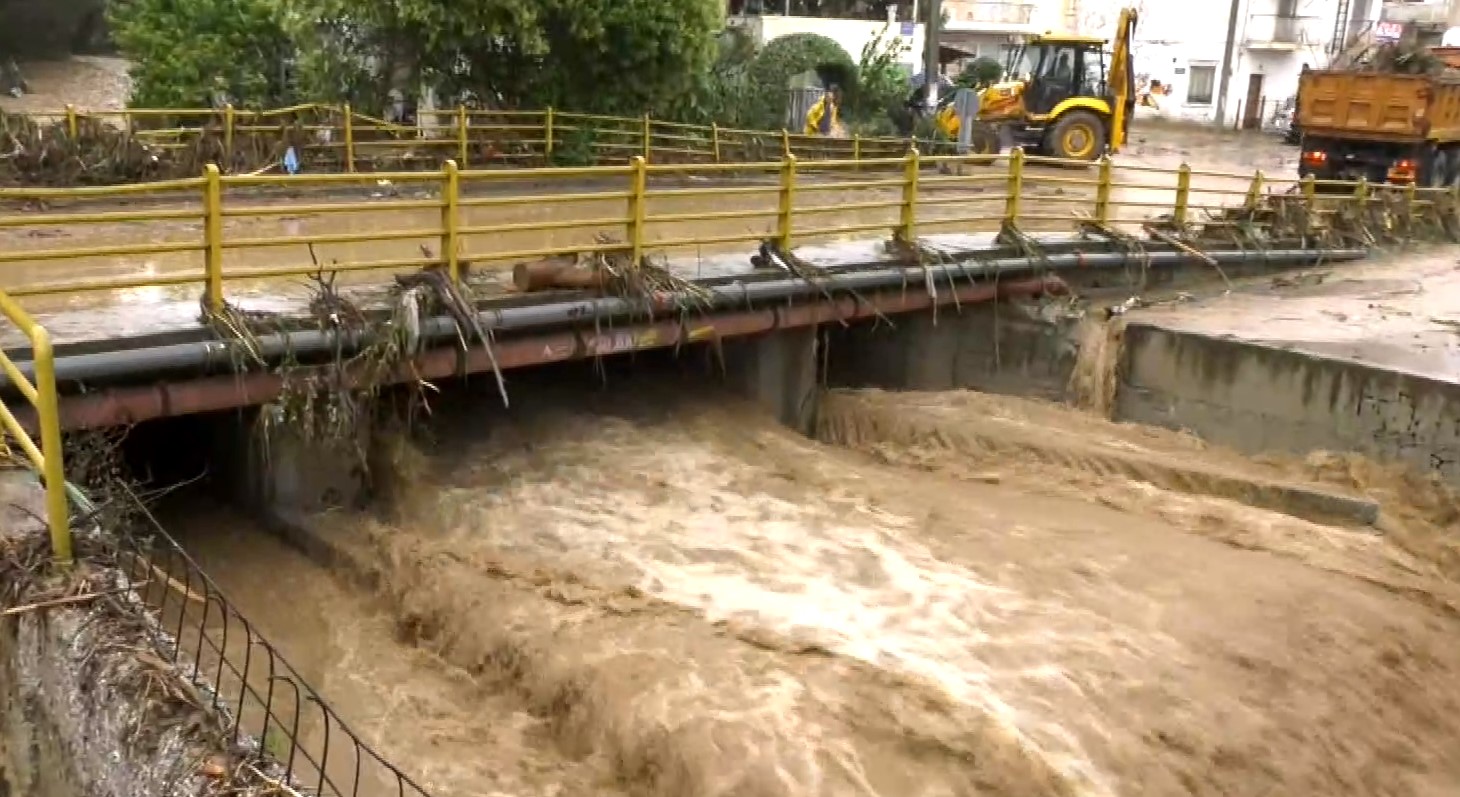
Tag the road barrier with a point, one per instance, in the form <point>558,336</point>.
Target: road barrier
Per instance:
<point>220,228</point>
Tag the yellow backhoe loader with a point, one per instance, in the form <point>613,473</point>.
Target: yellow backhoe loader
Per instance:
<point>1061,95</point>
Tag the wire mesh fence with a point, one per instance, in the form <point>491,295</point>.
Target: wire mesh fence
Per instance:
<point>265,703</point>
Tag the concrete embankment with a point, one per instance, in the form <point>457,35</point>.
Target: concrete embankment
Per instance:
<point>88,706</point>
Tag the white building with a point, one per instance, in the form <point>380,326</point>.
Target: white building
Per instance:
<point>1183,45</point>
<point>985,28</point>
<point>852,34</point>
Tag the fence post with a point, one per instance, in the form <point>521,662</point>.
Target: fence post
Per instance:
<point>1183,195</point>
<point>547,136</point>
<point>349,125</point>
<point>785,208</point>
<point>785,143</point>
<point>73,127</point>
<point>1254,193</point>
<point>907,223</point>
<point>1310,202</point>
<point>1102,191</point>
<point>648,142</point>
<point>637,202</point>
<point>461,137</point>
<point>53,466</point>
<point>228,124</point>
<point>1361,193</point>
<point>213,236</point>
<point>1016,186</point>
<point>856,147</point>
<point>715,140</point>
<point>450,219</point>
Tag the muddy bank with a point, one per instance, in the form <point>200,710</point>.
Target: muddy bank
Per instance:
<point>718,606</point>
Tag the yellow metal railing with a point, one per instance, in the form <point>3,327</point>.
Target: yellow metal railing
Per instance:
<point>41,393</point>
<point>348,140</point>
<point>219,229</point>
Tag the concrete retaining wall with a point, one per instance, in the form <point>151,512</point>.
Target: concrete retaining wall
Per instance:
<point>1258,398</point>
<point>1013,348</point>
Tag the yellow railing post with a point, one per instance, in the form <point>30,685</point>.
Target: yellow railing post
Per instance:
<point>785,208</point>
<point>451,219</point>
<point>213,236</point>
<point>73,126</point>
<point>785,143</point>
<point>1310,202</point>
<point>907,223</point>
<point>547,136</point>
<point>1102,191</point>
<point>1361,194</point>
<point>648,140</point>
<point>1254,192</point>
<point>715,140</point>
<point>856,147</point>
<point>1183,195</point>
<point>461,135</point>
<point>228,125</point>
<point>48,416</point>
<point>1016,186</point>
<point>637,206</point>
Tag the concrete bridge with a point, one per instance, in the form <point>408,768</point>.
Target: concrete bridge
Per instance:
<point>907,273</point>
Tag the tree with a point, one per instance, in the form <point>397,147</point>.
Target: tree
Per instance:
<point>607,56</point>
<point>185,51</point>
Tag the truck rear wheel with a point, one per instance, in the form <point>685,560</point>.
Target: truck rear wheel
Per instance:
<point>1078,135</point>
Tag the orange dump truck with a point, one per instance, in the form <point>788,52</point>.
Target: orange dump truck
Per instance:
<point>1380,126</point>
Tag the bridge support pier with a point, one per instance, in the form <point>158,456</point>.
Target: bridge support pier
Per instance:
<point>777,370</point>
<point>282,476</point>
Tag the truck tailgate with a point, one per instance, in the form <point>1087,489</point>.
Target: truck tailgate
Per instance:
<point>1365,104</point>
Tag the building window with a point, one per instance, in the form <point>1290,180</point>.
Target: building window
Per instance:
<point>1200,84</point>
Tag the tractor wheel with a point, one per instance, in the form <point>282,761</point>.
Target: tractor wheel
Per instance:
<point>1078,135</point>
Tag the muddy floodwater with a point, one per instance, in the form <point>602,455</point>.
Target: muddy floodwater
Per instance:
<point>655,590</point>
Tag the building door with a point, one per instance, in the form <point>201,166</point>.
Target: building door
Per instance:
<point>1252,109</point>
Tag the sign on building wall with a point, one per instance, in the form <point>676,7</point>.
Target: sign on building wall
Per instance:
<point>1389,31</point>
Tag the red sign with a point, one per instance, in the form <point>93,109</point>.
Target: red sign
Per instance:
<point>1389,31</point>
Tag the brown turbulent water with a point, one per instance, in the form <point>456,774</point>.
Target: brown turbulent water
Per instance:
<point>657,590</point>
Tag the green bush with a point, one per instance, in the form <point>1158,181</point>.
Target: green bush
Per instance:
<point>981,73</point>
<point>781,60</point>
<point>184,52</point>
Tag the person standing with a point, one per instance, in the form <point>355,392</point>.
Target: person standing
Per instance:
<point>824,117</point>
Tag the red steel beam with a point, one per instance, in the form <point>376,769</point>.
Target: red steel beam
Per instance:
<point>127,405</point>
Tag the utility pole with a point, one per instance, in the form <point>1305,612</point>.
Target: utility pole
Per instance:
<point>1224,81</point>
<point>931,35</point>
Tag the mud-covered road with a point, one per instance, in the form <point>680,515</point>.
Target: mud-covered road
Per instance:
<point>655,590</point>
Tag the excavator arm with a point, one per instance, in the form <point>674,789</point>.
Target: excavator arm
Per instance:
<point>1122,79</point>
